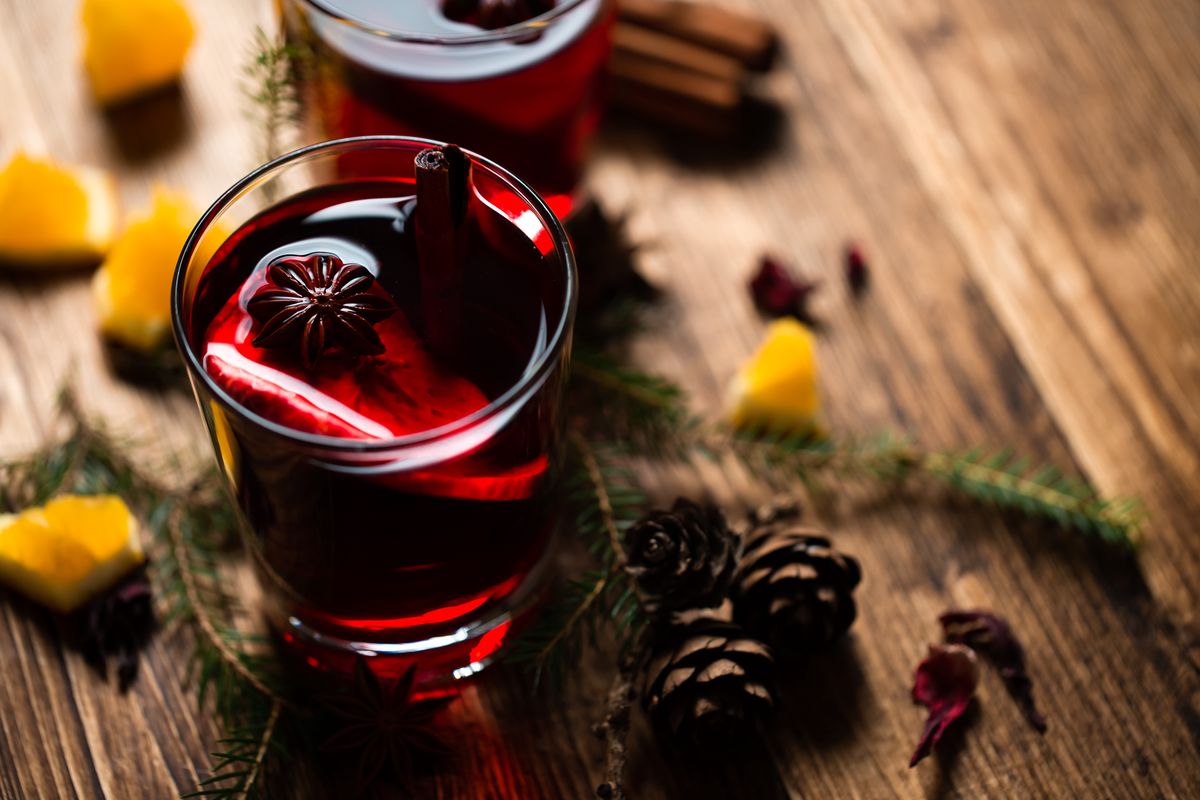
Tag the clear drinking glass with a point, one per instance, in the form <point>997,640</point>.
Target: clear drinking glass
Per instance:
<point>430,547</point>
<point>528,95</point>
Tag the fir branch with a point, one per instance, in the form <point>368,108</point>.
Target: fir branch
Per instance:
<point>1009,482</point>
<point>271,84</point>
<point>608,502</point>
<point>188,525</point>
<point>557,637</point>
<point>642,407</point>
<point>602,495</point>
<point>237,772</point>
<point>615,727</point>
<point>997,478</point>
<point>200,614</point>
<point>767,455</point>
<point>622,404</point>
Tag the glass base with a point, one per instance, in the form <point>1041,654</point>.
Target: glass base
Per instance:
<point>442,658</point>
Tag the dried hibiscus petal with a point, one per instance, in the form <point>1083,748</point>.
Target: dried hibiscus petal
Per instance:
<point>944,683</point>
<point>992,636</point>
<point>119,623</point>
<point>778,293</point>
<point>857,273</point>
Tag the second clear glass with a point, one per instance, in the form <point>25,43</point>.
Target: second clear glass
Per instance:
<point>528,95</point>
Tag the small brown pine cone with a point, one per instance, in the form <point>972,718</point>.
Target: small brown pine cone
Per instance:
<point>708,681</point>
<point>682,558</point>
<point>792,588</point>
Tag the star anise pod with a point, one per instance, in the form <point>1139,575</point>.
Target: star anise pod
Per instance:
<point>316,301</point>
<point>384,725</point>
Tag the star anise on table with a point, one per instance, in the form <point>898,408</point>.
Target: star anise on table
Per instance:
<point>385,726</point>
<point>316,302</point>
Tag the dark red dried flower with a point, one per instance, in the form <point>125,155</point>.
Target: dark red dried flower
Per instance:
<point>384,725</point>
<point>777,293</point>
<point>944,683</point>
<point>119,623</point>
<point>992,636</point>
<point>857,273</point>
<point>316,302</point>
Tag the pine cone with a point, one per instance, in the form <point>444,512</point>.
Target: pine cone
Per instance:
<point>792,588</point>
<point>682,558</point>
<point>708,680</point>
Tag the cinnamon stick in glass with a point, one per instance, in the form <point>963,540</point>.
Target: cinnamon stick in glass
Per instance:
<point>443,208</point>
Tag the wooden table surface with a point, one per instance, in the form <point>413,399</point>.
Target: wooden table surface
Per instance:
<point>1026,177</point>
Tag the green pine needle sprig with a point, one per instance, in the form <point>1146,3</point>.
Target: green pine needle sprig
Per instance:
<point>190,528</point>
<point>607,501</point>
<point>647,406</point>
<point>1011,482</point>
<point>272,87</point>
<point>615,402</point>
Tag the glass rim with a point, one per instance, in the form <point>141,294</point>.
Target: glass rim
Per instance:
<point>534,372</point>
<point>514,31</point>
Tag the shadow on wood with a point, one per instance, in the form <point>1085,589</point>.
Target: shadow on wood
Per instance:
<point>822,697</point>
<point>756,137</point>
<point>948,752</point>
<point>149,126</point>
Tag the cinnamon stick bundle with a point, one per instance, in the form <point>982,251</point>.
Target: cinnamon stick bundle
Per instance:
<point>664,48</point>
<point>675,95</point>
<point>443,207</point>
<point>750,40</point>
<point>686,64</point>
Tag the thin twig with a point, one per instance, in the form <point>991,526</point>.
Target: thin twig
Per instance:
<point>578,614</point>
<point>260,755</point>
<point>610,381</point>
<point>615,727</point>
<point>945,464</point>
<point>179,551</point>
<point>603,500</point>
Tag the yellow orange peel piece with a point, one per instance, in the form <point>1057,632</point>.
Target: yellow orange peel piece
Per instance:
<point>67,551</point>
<point>133,46</point>
<point>776,389</point>
<point>54,215</point>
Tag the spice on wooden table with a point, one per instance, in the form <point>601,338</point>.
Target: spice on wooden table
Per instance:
<point>945,684</point>
<point>685,65</point>
<point>751,40</point>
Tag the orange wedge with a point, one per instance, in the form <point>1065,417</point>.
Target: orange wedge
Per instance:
<point>53,215</point>
<point>132,288</point>
<point>776,389</point>
<point>69,550</point>
<point>134,46</point>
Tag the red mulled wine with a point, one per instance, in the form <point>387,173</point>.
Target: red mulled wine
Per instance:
<point>395,491</point>
<point>530,98</point>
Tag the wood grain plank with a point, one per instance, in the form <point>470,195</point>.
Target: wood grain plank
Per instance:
<point>1024,175</point>
<point>927,331</point>
<point>1021,255</point>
